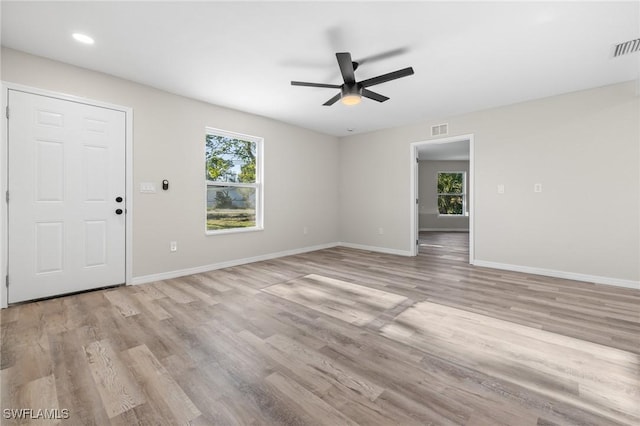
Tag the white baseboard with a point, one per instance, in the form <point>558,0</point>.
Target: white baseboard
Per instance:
<point>376,249</point>
<point>211,267</point>
<point>560,274</point>
<point>444,229</point>
<point>495,265</point>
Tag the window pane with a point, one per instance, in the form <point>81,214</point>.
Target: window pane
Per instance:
<point>450,204</point>
<point>230,160</point>
<point>230,207</point>
<point>450,183</point>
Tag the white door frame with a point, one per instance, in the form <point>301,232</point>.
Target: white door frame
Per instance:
<point>4,163</point>
<point>413,221</point>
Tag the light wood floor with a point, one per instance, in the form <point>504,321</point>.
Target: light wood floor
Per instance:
<point>338,336</point>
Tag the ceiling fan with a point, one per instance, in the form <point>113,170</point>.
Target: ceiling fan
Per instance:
<point>352,91</point>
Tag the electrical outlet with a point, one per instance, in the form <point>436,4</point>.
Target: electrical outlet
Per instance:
<point>173,246</point>
<point>380,231</point>
<point>501,189</point>
<point>537,187</point>
<point>305,230</point>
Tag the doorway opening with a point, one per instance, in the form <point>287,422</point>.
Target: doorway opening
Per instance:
<point>442,194</point>
<point>450,245</point>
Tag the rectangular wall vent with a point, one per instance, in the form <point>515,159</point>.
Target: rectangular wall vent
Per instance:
<point>627,47</point>
<point>440,129</point>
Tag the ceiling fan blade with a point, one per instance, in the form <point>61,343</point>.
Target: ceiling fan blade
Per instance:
<point>383,55</point>
<point>373,95</point>
<point>304,83</point>
<point>387,77</point>
<point>346,67</point>
<point>333,100</point>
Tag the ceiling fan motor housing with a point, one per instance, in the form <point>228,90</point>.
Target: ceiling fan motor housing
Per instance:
<point>354,89</point>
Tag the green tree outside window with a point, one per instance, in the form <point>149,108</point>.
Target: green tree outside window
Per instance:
<point>451,193</point>
<point>231,180</point>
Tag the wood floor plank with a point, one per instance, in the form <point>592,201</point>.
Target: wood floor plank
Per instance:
<point>123,302</point>
<point>75,385</point>
<point>408,382</point>
<point>198,386</point>
<point>148,302</point>
<point>424,411</point>
<point>313,379</point>
<point>367,412</point>
<point>118,390</point>
<point>209,280</point>
<point>171,291</point>
<point>241,372</point>
<point>307,401</point>
<point>568,368</point>
<point>159,381</point>
<point>39,396</point>
<point>350,302</point>
<point>151,291</point>
<point>193,292</point>
<point>335,336</point>
<point>333,370</point>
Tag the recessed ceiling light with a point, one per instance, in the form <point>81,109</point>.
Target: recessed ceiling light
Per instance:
<point>83,38</point>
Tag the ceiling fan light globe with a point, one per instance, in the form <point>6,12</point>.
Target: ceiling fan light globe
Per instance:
<point>351,99</point>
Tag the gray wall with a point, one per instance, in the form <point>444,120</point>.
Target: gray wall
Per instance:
<point>169,130</point>
<point>428,218</point>
<point>584,149</point>
<point>582,222</point>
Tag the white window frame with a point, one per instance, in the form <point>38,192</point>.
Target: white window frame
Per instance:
<point>258,185</point>
<point>465,212</point>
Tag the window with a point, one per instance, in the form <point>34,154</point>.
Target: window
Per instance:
<point>452,197</point>
<point>233,180</point>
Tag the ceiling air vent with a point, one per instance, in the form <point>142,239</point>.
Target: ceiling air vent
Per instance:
<point>440,129</point>
<point>626,47</point>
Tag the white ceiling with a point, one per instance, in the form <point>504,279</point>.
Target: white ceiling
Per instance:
<point>467,56</point>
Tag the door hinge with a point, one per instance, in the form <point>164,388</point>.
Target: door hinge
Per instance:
<point>417,242</point>
<point>416,201</point>
<point>7,281</point>
<point>7,196</point>
<point>7,112</point>
<point>417,159</point>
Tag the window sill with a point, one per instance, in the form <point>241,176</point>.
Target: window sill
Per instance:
<point>234,231</point>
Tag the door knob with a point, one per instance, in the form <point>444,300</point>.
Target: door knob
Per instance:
<point>118,211</point>
<point>118,199</point>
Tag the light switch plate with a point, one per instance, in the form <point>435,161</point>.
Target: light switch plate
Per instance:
<point>148,187</point>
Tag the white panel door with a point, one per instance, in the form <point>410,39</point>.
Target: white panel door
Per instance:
<point>66,182</point>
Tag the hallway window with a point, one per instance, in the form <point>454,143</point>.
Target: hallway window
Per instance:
<point>452,199</point>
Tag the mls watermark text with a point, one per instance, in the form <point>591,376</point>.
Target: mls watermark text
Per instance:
<point>36,414</point>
